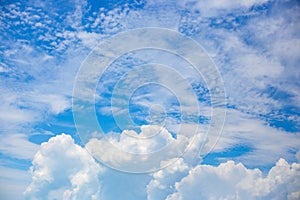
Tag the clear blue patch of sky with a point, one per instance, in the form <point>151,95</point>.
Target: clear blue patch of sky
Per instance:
<point>57,124</point>
<point>95,5</point>
<point>215,158</point>
<point>39,138</point>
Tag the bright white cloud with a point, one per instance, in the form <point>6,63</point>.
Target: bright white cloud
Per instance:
<point>233,181</point>
<point>63,170</point>
<point>162,183</point>
<point>144,152</point>
<point>11,115</point>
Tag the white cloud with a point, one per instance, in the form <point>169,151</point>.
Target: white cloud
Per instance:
<point>267,143</point>
<point>89,39</point>
<point>214,8</point>
<point>109,21</point>
<point>263,67</point>
<point>277,37</point>
<point>18,146</point>
<point>143,152</point>
<point>233,181</point>
<point>256,71</point>
<point>12,110</point>
<point>163,180</point>
<point>153,15</point>
<point>56,103</point>
<point>11,114</point>
<point>22,107</point>
<point>251,54</point>
<point>275,47</point>
<point>63,170</point>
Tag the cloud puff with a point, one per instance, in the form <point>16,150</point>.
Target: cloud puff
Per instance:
<point>163,180</point>
<point>63,170</point>
<point>151,149</point>
<point>234,181</point>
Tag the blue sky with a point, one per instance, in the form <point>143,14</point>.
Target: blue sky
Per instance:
<point>254,45</point>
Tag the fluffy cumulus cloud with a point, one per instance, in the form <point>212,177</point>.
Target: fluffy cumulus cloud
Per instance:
<point>234,181</point>
<point>143,152</point>
<point>163,180</point>
<point>63,170</point>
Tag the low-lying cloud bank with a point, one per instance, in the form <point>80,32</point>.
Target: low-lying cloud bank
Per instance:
<point>64,170</point>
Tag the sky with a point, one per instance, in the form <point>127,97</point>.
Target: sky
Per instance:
<point>150,99</point>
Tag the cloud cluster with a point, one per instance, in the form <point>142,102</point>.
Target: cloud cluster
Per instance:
<point>64,170</point>
<point>234,181</point>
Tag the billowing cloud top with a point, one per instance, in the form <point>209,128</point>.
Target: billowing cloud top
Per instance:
<point>63,170</point>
